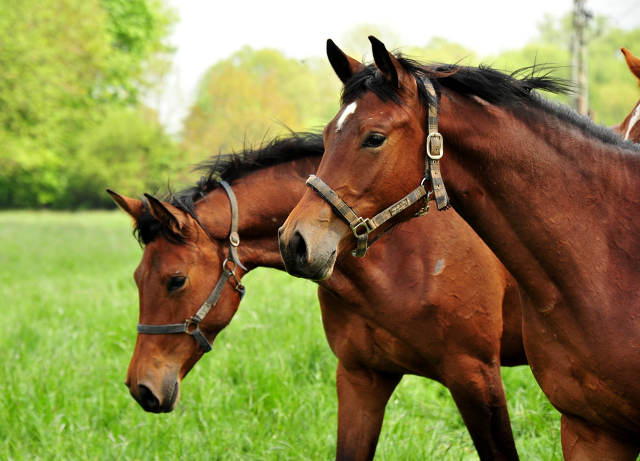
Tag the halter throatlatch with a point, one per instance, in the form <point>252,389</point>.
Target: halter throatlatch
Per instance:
<point>362,227</point>
<point>192,325</point>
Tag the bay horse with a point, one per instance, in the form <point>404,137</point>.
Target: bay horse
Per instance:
<point>554,196</point>
<point>447,311</point>
<point>630,127</point>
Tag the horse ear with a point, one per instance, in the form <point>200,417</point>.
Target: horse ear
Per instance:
<point>385,61</point>
<point>131,206</point>
<point>390,67</point>
<point>632,62</point>
<point>344,66</point>
<point>174,218</point>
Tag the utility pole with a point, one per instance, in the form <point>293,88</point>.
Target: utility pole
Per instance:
<point>581,18</point>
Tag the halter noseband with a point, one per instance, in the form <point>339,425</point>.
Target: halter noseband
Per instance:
<point>362,227</point>
<point>192,325</point>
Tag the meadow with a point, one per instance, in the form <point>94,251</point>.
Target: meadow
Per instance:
<point>69,307</point>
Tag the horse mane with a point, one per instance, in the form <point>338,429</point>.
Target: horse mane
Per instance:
<point>513,91</point>
<point>229,168</point>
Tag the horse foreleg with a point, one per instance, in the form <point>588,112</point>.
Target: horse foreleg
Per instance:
<point>582,441</point>
<point>477,391</point>
<point>362,398</point>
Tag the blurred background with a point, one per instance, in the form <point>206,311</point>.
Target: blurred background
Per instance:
<point>129,94</point>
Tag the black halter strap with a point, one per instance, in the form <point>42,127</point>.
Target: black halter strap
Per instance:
<point>192,325</point>
<point>362,227</point>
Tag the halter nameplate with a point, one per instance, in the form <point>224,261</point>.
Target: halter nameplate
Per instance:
<point>234,240</point>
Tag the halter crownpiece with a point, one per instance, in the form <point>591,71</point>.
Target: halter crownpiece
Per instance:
<point>435,150</point>
<point>362,227</point>
<point>192,325</point>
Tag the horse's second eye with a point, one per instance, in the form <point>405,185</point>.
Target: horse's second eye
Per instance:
<point>175,283</point>
<point>374,140</point>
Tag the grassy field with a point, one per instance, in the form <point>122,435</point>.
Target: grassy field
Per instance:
<point>266,392</point>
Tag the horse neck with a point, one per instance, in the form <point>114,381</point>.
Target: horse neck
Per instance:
<point>265,199</point>
<point>547,197</point>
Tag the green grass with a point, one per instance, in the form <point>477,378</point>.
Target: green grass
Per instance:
<point>266,392</point>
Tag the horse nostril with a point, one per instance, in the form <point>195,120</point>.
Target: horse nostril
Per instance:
<point>148,400</point>
<point>300,247</point>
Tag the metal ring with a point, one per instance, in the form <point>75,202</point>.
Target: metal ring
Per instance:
<point>188,323</point>
<point>224,265</point>
<point>365,223</point>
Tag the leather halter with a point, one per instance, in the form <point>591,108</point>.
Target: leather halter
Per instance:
<point>192,325</point>
<point>362,227</point>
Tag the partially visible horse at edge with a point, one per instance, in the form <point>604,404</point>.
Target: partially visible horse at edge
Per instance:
<point>555,197</point>
<point>630,126</point>
<point>447,311</point>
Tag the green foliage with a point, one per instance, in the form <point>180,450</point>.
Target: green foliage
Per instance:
<point>265,392</point>
<point>440,50</point>
<point>241,99</point>
<point>64,65</point>
<point>30,174</point>
<point>137,29</point>
<point>128,152</point>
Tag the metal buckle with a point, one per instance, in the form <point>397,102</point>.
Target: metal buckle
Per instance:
<point>429,138</point>
<point>365,223</point>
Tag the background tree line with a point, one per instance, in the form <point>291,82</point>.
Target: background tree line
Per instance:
<point>74,73</point>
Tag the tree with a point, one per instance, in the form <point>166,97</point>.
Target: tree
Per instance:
<point>64,65</point>
<point>128,151</point>
<point>255,94</point>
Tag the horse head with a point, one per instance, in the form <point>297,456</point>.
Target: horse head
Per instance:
<point>358,145</point>
<point>176,279</point>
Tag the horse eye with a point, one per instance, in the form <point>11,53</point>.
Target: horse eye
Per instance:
<point>374,140</point>
<point>175,283</point>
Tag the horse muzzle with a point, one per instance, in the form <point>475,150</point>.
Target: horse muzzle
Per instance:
<point>156,398</point>
<point>306,257</point>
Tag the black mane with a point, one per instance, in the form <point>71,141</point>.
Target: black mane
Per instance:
<point>229,167</point>
<point>513,91</point>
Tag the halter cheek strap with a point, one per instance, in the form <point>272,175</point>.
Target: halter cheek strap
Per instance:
<point>192,325</point>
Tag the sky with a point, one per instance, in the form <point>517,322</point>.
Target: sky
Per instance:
<point>211,30</point>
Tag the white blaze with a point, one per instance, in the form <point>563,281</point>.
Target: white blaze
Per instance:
<point>350,109</point>
<point>634,119</point>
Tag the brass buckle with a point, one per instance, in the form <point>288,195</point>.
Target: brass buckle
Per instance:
<point>429,138</point>
<point>365,223</point>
